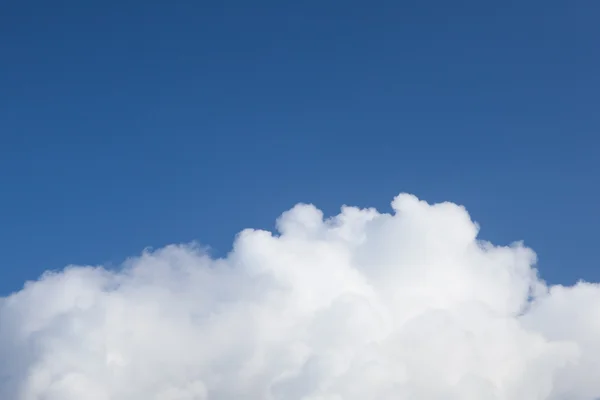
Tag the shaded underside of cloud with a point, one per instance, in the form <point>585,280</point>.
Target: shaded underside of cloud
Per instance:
<point>362,305</point>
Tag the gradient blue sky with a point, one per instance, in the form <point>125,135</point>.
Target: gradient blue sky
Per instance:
<point>126,124</point>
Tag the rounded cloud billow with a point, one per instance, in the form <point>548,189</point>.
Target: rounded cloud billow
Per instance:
<point>408,305</point>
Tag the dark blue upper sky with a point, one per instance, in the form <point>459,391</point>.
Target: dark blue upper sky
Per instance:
<point>126,124</point>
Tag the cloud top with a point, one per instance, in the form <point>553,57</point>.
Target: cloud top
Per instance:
<point>363,305</point>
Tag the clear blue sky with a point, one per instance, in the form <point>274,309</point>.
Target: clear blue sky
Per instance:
<point>126,124</point>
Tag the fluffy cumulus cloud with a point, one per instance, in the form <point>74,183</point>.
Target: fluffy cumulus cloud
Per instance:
<point>363,305</point>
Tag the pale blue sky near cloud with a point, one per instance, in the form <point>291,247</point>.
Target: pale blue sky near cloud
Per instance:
<point>141,123</point>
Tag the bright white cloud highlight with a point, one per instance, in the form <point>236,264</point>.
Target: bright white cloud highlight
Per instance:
<point>363,305</point>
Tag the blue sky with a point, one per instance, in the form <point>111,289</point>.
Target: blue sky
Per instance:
<point>132,124</point>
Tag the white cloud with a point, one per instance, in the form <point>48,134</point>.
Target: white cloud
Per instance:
<point>360,306</point>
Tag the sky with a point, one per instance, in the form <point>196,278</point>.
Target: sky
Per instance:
<point>132,124</point>
<point>129,124</point>
<point>130,129</point>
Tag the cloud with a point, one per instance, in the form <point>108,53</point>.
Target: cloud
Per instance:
<point>364,305</point>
